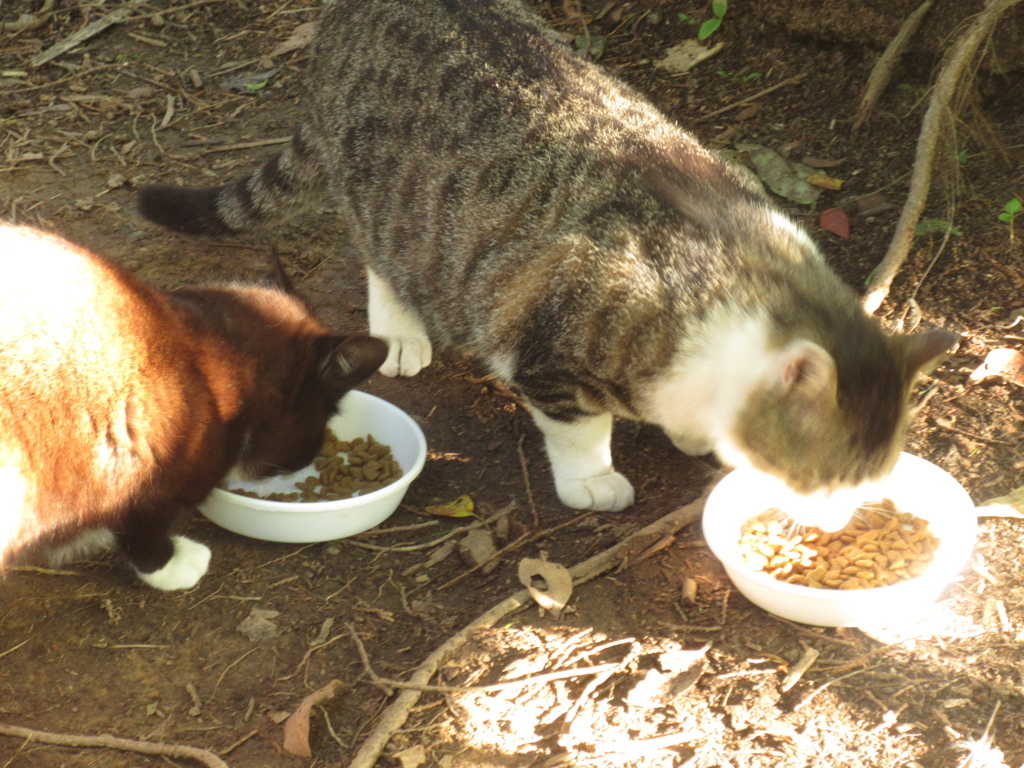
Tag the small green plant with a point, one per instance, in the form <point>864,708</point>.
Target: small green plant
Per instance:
<point>708,28</point>
<point>1010,212</point>
<point>937,226</point>
<point>737,78</point>
<point>687,18</point>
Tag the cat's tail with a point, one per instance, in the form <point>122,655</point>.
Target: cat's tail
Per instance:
<point>291,181</point>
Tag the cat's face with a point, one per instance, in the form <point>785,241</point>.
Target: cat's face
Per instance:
<point>292,440</point>
<point>820,428</point>
<point>301,372</point>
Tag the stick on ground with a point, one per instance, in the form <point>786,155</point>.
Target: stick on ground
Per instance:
<point>395,715</point>
<point>181,751</point>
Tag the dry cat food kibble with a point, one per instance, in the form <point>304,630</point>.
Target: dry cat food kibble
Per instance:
<point>346,469</point>
<point>878,547</point>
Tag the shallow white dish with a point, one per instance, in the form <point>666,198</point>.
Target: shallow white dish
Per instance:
<point>915,485</point>
<point>360,414</point>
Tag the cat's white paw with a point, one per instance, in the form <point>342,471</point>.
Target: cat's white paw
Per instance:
<point>407,357</point>
<point>184,569</point>
<point>580,452</point>
<point>605,493</point>
<point>409,349</point>
<point>691,445</point>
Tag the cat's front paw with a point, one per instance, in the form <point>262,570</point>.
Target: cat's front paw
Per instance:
<point>185,568</point>
<point>691,445</point>
<point>407,356</point>
<point>604,493</point>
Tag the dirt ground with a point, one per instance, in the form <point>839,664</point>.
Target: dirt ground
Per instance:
<point>695,681</point>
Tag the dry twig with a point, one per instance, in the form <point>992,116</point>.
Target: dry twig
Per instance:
<point>28,21</point>
<point>106,741</point>
<point>395,715</point>
<point>546,677</point>
<point>747,99</point>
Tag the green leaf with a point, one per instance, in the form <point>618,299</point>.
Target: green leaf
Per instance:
<point>719,7</point>
<point>1014,206</point>
<point>929,226</point>
<point>1007,217</point>
<point>592,46</point>
<point>708,28</point>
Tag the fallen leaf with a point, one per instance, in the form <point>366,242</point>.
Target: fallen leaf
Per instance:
<point>412,757</point>
<point>836,221</point>
<point>461,507</point>
<point>248,83</point>
<point>301,37</point>
<point>258,626</point>
<point>783,177</point>
<point>1005,363</point>
<point>685,56</point>
<point>825,181</point>
<point>817,162</point>
<point>549,584</point>
<point>870,204</point>
<point>748,112</point>
<point>1010,505</point>
<point>478,550</point>
<point>589,45</point>
<point>296,728</point>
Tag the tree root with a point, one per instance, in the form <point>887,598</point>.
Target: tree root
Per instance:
<point>631,549</point>
<point>946,86</point>
<point>882,71</point>
<point>106,741</point>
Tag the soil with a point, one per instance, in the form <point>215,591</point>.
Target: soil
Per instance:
<point>697,679</point>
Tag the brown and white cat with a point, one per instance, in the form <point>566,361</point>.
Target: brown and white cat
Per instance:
<point>512,200</point>
<point>121,405</point>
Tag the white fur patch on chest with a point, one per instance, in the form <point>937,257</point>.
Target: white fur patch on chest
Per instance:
<point>698,399</point>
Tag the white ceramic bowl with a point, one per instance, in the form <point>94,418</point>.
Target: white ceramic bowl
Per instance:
<point>915,485</point>
<point>360,414</point>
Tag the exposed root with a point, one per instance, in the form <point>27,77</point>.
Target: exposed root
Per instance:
<point>946,86</point>
<point>882,71</point>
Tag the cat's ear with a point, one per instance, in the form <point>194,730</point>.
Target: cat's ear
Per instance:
<point>348,360</point>
<point>808,371</point>
<point>923,351</point>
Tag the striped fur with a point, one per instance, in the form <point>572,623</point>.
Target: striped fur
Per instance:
<point>512,200</point>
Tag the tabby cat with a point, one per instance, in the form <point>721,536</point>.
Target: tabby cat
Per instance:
<point>122,405</point>
<point>511,199</point>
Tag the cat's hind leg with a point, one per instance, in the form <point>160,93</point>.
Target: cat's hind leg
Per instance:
<point>580,452</point>
<point>409,349</point>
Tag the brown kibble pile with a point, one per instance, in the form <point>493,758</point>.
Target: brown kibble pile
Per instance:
<point>346,469</point>
<point>878,547</point>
